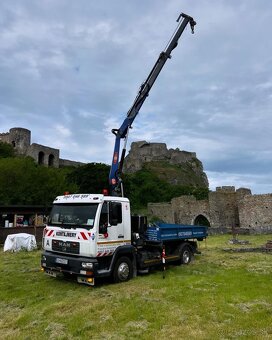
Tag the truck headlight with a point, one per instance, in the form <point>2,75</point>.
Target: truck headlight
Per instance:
<point>88,265</point>
<point>43,257</point>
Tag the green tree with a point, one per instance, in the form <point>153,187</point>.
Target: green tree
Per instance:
<point>90,178</point>
<point>144,186</point>
<point>24,182</point>
<point>6,150</point>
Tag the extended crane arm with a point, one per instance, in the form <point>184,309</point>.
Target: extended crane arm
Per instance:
<point>115,181</point>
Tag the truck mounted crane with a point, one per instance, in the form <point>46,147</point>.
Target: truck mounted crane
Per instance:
<point>115,180</point>
<point>93,236</point>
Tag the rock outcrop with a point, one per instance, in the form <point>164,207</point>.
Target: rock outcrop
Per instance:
<point>173,165</point>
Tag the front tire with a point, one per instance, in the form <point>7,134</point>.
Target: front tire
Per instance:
<point>122,270</point>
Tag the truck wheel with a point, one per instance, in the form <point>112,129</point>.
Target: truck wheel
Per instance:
<point>185,255</point>
<point>122,270</point>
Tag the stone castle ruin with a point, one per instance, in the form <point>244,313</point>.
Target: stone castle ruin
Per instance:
<point>189,167</point>
<point>225,210</point>
<point>143,151</point>
<point>20,139</point>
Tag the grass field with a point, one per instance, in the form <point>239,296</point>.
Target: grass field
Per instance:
<point>220,295</point>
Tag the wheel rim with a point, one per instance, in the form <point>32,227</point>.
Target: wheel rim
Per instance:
<point>186,256</point>
<point>123,271</point>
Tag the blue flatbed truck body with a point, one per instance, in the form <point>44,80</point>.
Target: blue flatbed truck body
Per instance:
<point>165,243</point>
<point>170,232</point>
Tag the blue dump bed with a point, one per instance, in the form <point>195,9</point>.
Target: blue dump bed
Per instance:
<point>166,232</point>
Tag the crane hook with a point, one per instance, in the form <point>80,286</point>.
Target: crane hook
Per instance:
<point>192,22</point>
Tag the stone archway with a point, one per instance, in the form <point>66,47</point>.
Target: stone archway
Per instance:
<point>41,158</point>
<point>51,160</point>
<point>201,220</point>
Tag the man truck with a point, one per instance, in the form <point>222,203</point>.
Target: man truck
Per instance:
<point>92,236</point>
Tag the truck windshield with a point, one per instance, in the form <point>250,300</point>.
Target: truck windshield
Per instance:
<point>73,215</point>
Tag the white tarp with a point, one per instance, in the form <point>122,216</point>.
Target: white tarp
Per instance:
<point>21,241</point>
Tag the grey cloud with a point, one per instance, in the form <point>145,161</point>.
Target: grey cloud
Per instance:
<point>78,65</point>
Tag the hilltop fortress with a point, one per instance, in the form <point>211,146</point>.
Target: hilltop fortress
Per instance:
<point>20,139</point>
<point>173,165</point>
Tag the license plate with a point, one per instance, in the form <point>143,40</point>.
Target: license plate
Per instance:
<point>61,261</point>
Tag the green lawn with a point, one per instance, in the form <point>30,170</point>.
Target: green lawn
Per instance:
<point>220,295</point>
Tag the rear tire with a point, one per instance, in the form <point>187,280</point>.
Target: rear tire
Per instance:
<point>186,255</point>
<point>122,270</point>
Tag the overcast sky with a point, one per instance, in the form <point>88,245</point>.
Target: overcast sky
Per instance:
<point>70,70</point>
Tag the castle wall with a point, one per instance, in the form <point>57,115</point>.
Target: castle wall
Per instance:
<point>20,138</point>
<point>184,167</point>
<point>226,210</point>
<point>66,162</point>
<point>44,155</point>
<point>223,208</point>
<point>177,156</point>
<point>163,211</point>
<point>142,152</point>
<point>4,137</point>
<point>255,213</point>
<point>181,210</point>
<point>186,209</point>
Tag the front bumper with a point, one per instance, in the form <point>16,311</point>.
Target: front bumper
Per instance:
<point>54,264</point>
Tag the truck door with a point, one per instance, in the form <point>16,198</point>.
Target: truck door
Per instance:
<point>116,220</point>
<point>111,221</point>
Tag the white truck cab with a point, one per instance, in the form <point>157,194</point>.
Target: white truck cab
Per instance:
<point>86,228</point>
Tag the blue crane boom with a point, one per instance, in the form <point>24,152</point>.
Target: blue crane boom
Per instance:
<point>115,181</point>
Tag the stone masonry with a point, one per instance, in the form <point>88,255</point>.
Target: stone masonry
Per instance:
<point>226,210</point>
<point>143,152</point>
<point>20,138</point>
